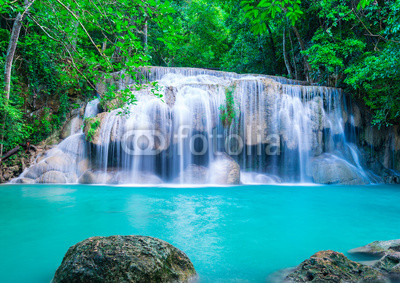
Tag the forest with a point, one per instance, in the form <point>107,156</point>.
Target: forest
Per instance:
<point>54,51</point>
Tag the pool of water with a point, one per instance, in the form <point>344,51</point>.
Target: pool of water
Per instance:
<point>240,234</point>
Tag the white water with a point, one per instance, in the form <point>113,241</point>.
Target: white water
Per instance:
<point>278,130</point>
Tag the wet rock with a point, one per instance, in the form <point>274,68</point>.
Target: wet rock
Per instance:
<point>170,95</point>
<point>225,170</point>
<point>60,162</point>
<point>124,259</point>
<point>378,248</point>
<point>83,166</point>
<point>92,133</point>
<point>357,117</point>
<point>36,170</point>
<point>24,181</point>
<point>74,145</point>
<point>390,265</point>
<point>257,178</point>
<point>52,177</point>
<point>95,177</point>
<point>137,178</point>
<point>193,174</point>
<point>73,126</point>
<point>71,177</point>
<point>330,266</point>
<point>329,169</point>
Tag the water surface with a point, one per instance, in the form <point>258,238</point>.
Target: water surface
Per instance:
<point>241,233</point>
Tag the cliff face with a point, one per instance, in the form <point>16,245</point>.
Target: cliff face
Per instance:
<point>380,147</point>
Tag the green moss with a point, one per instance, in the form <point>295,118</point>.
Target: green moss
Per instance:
<point>228,110</point>
<point>93,124</point>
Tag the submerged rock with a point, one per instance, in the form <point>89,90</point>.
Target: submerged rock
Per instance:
<point>124,259</point>
<point>378,248</point>
<point>330,266</point>
<point>329,169</point>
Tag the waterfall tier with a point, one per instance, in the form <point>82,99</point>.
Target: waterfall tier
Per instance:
<point>212,127</point>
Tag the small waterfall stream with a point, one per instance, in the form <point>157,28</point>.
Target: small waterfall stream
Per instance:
<point>218,127</point>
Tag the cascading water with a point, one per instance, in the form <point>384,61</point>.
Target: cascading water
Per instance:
<point>218,127</point>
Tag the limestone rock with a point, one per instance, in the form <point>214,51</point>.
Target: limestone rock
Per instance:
<point>193,174</point>
<point>24,181</point>
<point>225,170</point>
<point>52,177</point>
<point>71,127</point>
<point>95,177</point>
<point>328,169</point>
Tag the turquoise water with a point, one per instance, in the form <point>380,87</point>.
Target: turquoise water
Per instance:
<point>236,234</point>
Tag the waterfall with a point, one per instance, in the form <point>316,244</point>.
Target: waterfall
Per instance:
<point>213,127</point>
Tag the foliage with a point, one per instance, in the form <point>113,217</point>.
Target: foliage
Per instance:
<point>261,12</point>
<point>228,111</point>
<point>93,124</point>
<point>67,47</point>
<point>344,43</point>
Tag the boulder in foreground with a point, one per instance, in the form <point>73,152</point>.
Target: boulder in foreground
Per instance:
<point>330,266</point>
<point>124,259</point>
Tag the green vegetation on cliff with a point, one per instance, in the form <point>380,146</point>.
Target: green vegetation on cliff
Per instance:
<point>55,51</point>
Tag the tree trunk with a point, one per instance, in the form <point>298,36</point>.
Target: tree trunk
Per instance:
<point>145,35</point>
<point>296,74</point>
<point>285,56</point>
<point>10,153</point>
<point>307,67</point>
<point>273,49</point>
<point>12,46</point>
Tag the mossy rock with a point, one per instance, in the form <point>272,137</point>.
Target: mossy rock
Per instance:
<point>330,266</point>
<point>124,259</point>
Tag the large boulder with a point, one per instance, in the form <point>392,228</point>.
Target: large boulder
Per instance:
<point>193,174</point>
<point>330,266</point>
<point>74,145</point>
<point>60,162</point>
<point>124,259</point>
<point>329,169</point>
<point>71,127</point>
<point>52,177</point>
<point>224,170</point>
<point>95,177</point>
<point>378,248</point>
